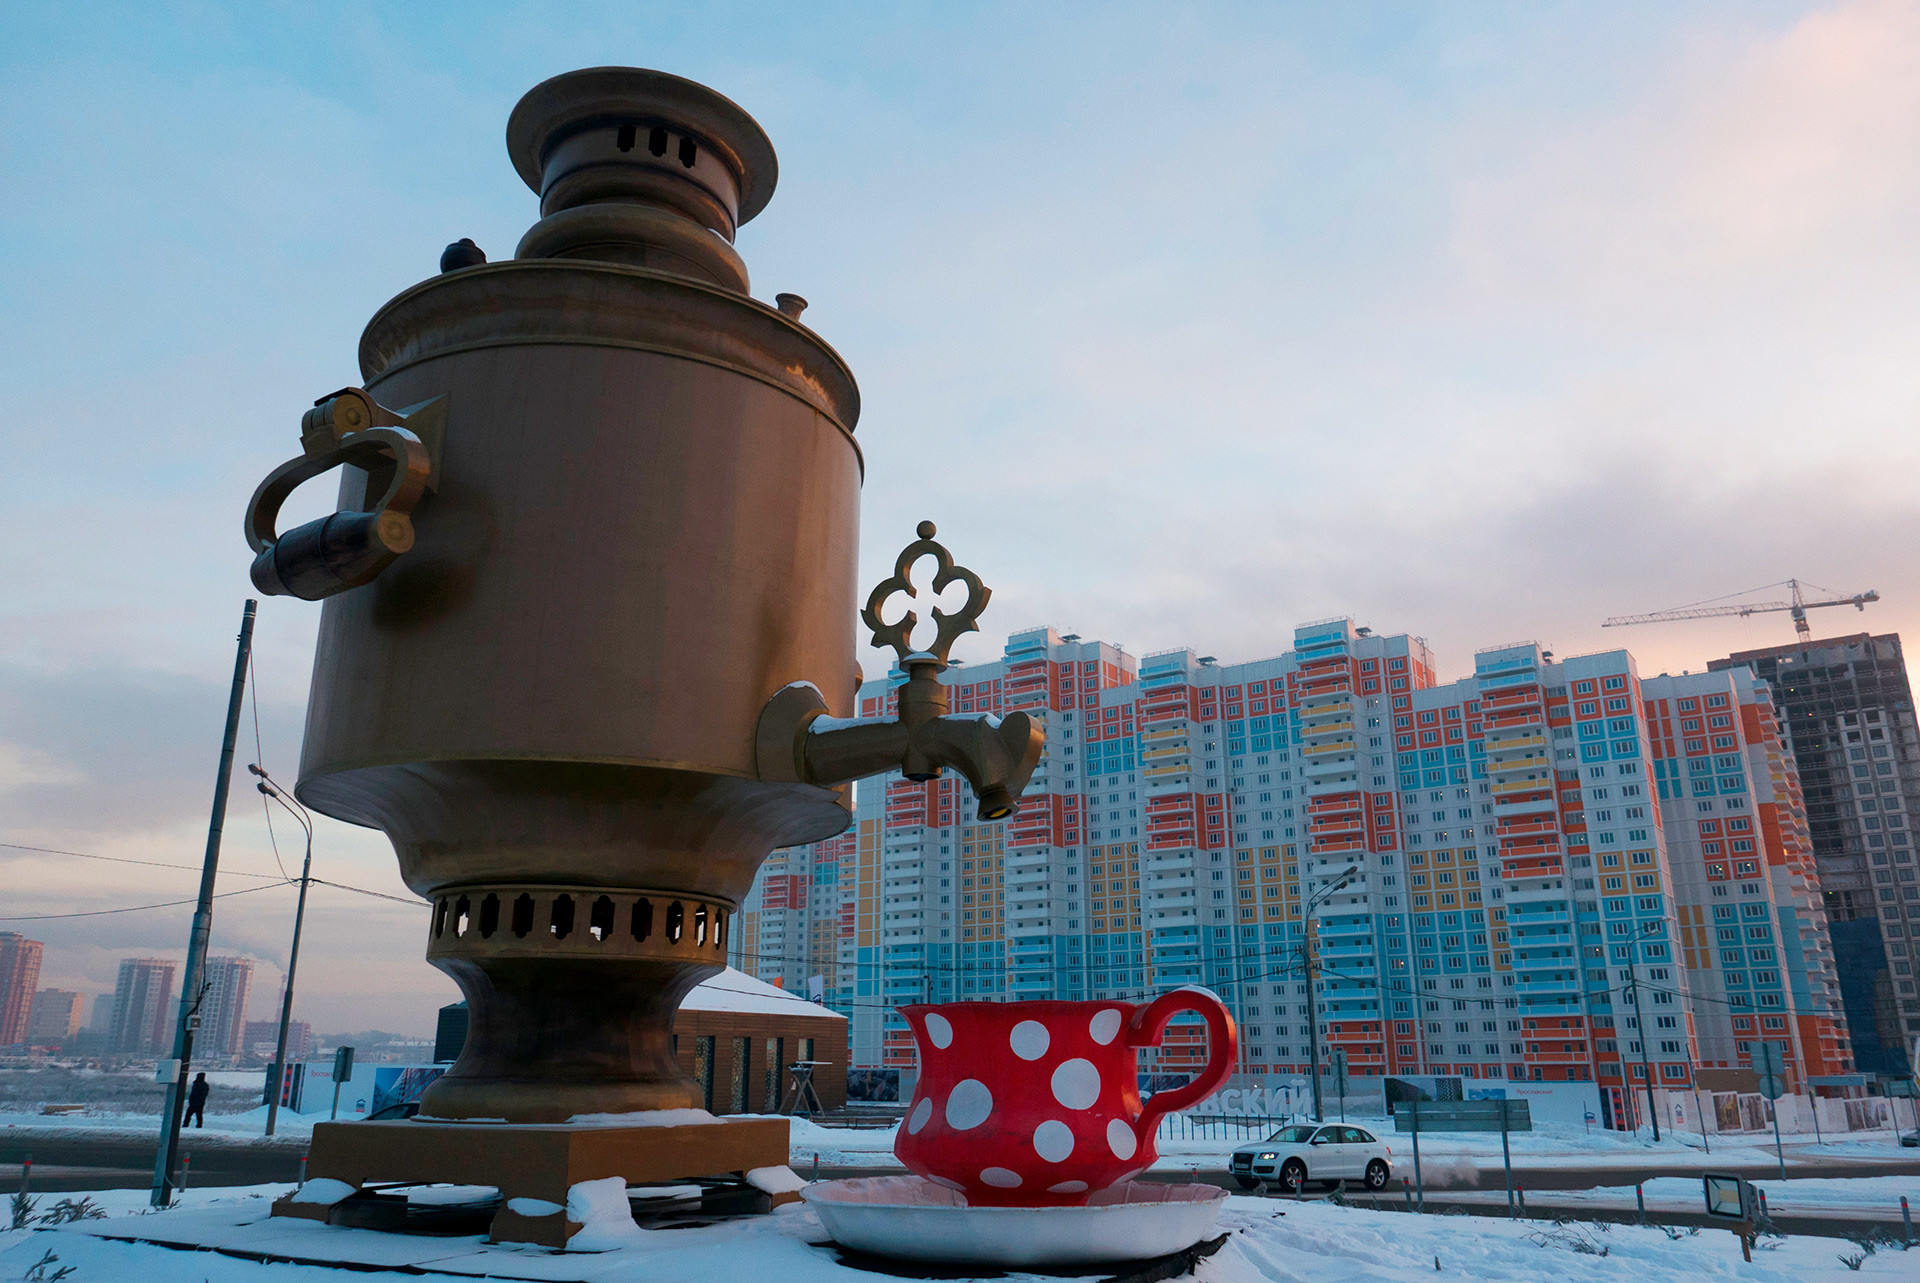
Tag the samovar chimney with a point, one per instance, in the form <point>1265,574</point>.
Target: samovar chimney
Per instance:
<point>643,168</point>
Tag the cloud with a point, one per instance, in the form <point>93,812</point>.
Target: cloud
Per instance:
<point>1185,325</point>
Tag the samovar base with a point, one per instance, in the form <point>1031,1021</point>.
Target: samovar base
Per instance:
<point>571,993</point>
<point>529,1163</point>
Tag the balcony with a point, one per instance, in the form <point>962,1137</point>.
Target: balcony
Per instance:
<point>1533,866</point>
<point>1506,741</point>
<point>1334,823</point>
<point>1539,803</point>
<point>1335,805</point>
<point>1534,762</point>
<point>1528,824</point>
<point>1520,894</point>
<point>1319,688</point>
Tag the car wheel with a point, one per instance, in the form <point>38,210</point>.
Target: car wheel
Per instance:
<point>1246,1182</point>
<point>1376,1175</point>
<point>1293,1176</point>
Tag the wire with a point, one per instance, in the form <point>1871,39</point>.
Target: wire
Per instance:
<point>260,755</point>
<point>379,895</point>
<point>119,859</point>
<point>185,868</point>
<point>136,908</point>
<point>1728,597</point>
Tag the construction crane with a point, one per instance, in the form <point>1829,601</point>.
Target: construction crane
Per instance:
<point>1798,607</point>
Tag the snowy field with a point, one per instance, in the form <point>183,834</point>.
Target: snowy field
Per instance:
<point>1446,1159</point>
<point>249,1124</point>
<point>1295,1243</point>
<point>1457,1160</point>
<point>1867,1195</point>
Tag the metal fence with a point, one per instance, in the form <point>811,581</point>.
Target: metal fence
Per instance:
<point>1234,1127</point>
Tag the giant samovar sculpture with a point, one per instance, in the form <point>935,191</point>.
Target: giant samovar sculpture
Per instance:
<point>589,613</point>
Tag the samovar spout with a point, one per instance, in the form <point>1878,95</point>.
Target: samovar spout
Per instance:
<point>797,741</point>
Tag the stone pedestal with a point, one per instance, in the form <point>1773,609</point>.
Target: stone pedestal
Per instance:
<point>534,1161</point>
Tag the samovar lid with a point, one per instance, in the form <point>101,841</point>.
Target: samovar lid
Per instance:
<point>557,109</point>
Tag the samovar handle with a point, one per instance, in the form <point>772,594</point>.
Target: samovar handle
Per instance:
<point>345,549</point>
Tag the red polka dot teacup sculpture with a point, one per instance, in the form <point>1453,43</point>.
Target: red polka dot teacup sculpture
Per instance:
<point>1034,1104</point>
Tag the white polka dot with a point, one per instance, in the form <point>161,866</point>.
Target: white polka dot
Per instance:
<point>939,1030</point>
<point>1076,1084</point>
<point>1121,1140</point>
<point>1053,1141</point>
<point>1029,1040</point>
<point>921,1113</point>
<point>1068,1187</point>
<point>941,1180</point>
<point>969,1105</point>
<point>1000,1178</point>
<point>1104,1026</point>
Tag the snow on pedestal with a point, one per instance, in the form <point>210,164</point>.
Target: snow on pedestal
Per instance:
<point>605,1217</point>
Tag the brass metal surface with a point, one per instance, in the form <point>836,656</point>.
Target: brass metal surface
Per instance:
<point>380,454</point>
<point>583,695</point>
<point>796,740</point>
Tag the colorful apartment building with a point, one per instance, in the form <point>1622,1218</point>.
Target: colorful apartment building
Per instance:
<point>1486,874</point>
<point>1754,937</point>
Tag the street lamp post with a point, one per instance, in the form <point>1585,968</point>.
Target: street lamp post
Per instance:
<point>1640,1023</point>
<point>278,1073</point>
<point>1313,1007</point>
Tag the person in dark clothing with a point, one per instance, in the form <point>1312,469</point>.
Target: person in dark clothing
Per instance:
<point>197,1101</point>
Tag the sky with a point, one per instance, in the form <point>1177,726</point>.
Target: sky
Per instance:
<point>1186,324</point>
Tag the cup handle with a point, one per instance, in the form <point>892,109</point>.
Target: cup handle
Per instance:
<point>1150,1021</point>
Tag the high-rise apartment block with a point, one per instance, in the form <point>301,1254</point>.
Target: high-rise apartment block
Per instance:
<point>19,977</point>
<point>1849,714</point>
<point>56,1016</point>
<point>262,1037</point>
<point>142,1007</point>
<point>223,1011</point>
<point>1529,873</point>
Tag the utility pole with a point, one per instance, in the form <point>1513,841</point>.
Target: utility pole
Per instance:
<point>1640,1027</point>
<point>277,1075</point>
<point>1313,1020</point>
<point>192,983</point>
<point>1313,1006</point>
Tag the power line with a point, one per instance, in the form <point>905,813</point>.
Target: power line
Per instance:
<point>380,895</point>
<point>120,859</point>
<point>134,908</point>
<point>260,755</point>
<point>156,864</point>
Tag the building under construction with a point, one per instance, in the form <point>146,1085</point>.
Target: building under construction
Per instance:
<point>1850,717</point>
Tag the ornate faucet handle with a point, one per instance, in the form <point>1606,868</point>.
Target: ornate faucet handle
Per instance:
<point>899,635</point>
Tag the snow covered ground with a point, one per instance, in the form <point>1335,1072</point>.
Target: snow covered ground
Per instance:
<point>1878,1195</point>
<point>1446,1158</point>
<point>1294,1243</point>
<point>250,1125</point>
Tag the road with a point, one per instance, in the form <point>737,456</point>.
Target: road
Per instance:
<point>69,1159</point>
<point>66,1159</point>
